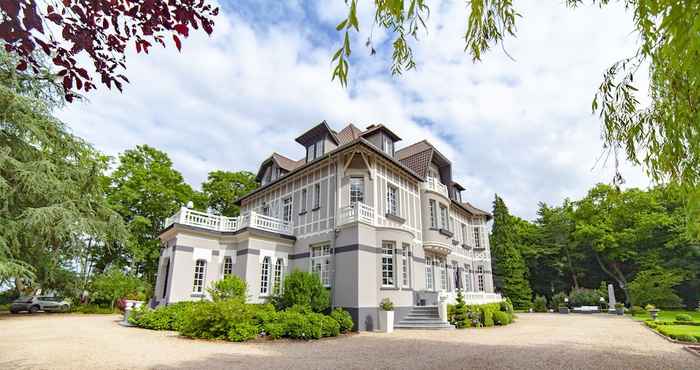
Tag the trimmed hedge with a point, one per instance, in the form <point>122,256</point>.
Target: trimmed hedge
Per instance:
<point>486,315</point>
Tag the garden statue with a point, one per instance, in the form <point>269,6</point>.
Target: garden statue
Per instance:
<point>611,298</point>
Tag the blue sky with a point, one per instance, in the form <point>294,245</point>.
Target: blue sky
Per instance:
<point>522,129</point>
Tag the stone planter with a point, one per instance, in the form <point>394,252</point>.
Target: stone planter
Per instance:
<point>386,321</point>
<point>564,310</point>
<point>620,311</point>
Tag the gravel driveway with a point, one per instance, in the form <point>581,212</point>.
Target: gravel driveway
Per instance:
<point>535,341</point>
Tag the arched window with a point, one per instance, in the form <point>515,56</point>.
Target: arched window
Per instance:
<point>265,276</point>
<point>278,276</point>
<point>200,273</point>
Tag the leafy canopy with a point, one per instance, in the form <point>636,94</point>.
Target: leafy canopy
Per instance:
<point>223,188</point>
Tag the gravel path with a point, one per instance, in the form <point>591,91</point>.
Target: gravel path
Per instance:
<point>535,341</point>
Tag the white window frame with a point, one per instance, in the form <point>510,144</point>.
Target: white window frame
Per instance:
<point>480,278</point>
<point>405,267</point>
<point>317,196</point>
<point>387,145</point>
<point>465,235</point>
<point>228,266</point>
<point>433,213</point>
<point>477,237</point>
<point>304,199</point>
<point>443,274</point>
<point>444,217</point>
<point>278,276</point>
<point>468,278</point>
<point>392,200</point>
<point>265,276</point>
<point>310,152</point>
<point>200,276</point>
<point>322,262</point>
<point>287,209</point>
<point>429,277</point>
<point>357,189</point>
<point>388,270</point>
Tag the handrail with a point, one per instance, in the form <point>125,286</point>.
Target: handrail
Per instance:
<point>357,212</point>
<point>186,216</point>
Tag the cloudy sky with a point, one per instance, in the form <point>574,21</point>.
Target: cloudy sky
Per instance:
<point>522,129</point>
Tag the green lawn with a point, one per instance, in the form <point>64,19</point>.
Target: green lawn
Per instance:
<point>667,315</point>
<point>674,331</point>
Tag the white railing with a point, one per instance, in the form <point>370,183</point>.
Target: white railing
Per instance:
<point>229,224</point>
<point>358,212</point>
<point>474,297</point>
<point>435,185</point>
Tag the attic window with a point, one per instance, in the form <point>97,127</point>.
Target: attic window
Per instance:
<point>314,151</point>
<point>387,145</point>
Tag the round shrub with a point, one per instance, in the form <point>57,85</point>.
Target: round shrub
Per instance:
<point>686,338</point>
<point>214,320</point>
<point>558,300</point>
<point>299,325</point>
<point>304,288</point>
<point>683,317</point>
<point>636,310</point>
<point>540,304</point>
<point>230,287</point>
<point>501,318</point>
<point>329,327</point>
<point>242,331</point>
<point>343,318</point>
<point>274,330</point>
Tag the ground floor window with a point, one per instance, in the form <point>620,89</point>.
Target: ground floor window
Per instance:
<point>405,277</point>
<point>443,275</point>
<point>387,263</point>
<point>200,269</point>
<point>429,273</point>
<point>228,266</point>
<point>265,276</point>
<point>322,263</point>
<point>480,278</point>
<point>467,278</point>
<point>278,276</point>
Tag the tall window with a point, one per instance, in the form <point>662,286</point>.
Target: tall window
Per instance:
<point>467,278</point>
<point>302,207</point>
<point>392,200</point>
<point>456,277</point>
<point>266,209</point>
<point>388,263</point>
<point>287,209</point>
<point>167,275</point>
<point>388,145</point>
<point>314,151</point>
<point>265,276</point>
<point>477,237</point>
<point>443,275</point>
<point>464,233</point>
<point>433,214</point>
<point>278,276</point>
<point>480,277</point>
<point>228,266</point>
<point>200,270</point>
<point>404,265</point>
<point>429,273</point>
<point>443,218</point>
<point>317,196</point>
<point>322,263</point>
<point>357,190</point>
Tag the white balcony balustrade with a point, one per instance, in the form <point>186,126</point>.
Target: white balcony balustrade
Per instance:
<point>357,212</point>
<point>208,221</point>
<point>434,185</point>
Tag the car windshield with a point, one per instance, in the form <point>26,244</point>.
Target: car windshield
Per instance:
<point>24,298</point>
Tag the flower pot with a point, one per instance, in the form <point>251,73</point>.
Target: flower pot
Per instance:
<point>564,310</point>
<point>386,321</point>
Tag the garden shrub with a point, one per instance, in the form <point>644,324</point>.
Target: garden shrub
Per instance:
<point>300,325</point>
<point>214,320</point>
<point>683,317</point>
<point>329,327</point>
<point>558,300</point>
<point>162,318</point>
<point>460,317</point>
<point>686,338</point>
<point>487,314</point>
<point>501,318</point>
<point>655,286</point>
<point>652,324</point>
<point>649,307</point>
<point>540,304</point>
<point>507,306</point>
<point>303,288</point>
<point>230,287</point>
<point>343,318</point>
<point>274,330</point>
<point>92,309</point>
<point>243,331</point>
<point>584,297</point>
<point>636,310</point>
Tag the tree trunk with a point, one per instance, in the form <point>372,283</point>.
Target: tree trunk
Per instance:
<point>618,276</point>
<point>571,267</point>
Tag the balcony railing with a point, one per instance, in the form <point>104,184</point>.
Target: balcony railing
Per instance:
<point>357,212</point>
<point>208,221</point>
<point>435,185</point>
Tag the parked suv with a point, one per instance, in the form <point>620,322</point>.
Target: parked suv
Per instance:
<point>33,304</point>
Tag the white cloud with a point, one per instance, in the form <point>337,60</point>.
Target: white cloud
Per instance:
<point>522,129</point>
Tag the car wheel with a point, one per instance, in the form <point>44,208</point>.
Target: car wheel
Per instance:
<point>64,308</point>
<point>14,312</point>
<point>33,309</point>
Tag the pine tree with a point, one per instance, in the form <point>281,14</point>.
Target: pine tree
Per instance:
<point>461,315</point>
<point>509,269</point>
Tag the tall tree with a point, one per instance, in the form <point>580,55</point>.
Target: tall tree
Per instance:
<point>50,193</point>
<point>509,270</point>
<point>145,189</point>
<point>95,30</point>
<point>223,188</point>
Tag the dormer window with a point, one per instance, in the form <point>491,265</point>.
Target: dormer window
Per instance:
<point>314,151</point>
<point>388,145</point>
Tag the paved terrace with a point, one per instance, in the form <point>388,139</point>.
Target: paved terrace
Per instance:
<point>535,341</point>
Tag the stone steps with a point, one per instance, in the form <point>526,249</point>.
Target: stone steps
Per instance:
<point>423,318</point>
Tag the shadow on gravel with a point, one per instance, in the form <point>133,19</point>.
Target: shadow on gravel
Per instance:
<point>388,353</point>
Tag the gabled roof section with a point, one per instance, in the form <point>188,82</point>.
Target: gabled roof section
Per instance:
<point>282,162</point>
<point>418,156</point>
<point>374,128</point>
<point>315,133</point>
<point>348,134</point>
<point>475,211</point>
